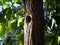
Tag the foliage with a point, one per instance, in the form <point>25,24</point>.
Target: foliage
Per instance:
<point>11,18</point>
<point>20,38</point>
<point>52,8</point>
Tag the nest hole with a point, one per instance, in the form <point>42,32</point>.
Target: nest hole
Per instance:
<point>28,19</point>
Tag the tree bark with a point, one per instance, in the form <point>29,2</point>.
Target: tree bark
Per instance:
<point>34,23</point>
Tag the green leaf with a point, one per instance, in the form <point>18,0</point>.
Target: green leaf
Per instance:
<point>2,1</point>
<point>14,24</point>
<point>8,13</point>
<point>58,39</point>
<point>14,1</point>
<point>1,27</point>
<point>19,21</point>
<point>2,30</point>
<point>9,24</point>
<point>2,19</point>
<point>20,43</point>
<point>19,37</point>
<point>6,6</point>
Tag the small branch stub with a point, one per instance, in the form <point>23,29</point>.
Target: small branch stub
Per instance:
<point>28,19</point>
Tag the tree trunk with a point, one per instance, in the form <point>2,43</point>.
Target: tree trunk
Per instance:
<point>34,23</point>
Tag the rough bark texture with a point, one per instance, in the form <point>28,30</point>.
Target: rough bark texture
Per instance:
<point>34,23</point>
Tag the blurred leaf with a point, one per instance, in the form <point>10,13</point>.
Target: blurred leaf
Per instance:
<point>2,30</point>
<point>19,37</point>
<point>15,15</point>
<point>50,43</point>
<point>12,21</point>
<point>14,1</point>
<point>53,21</point>
<point>9,26</point>
<point>5,17</point>
<point>9,14</point>
<point>21,27</point>
<point>20,43</point>
<point>50,5</point>
<point>58,39</point>
<point>6,6</point>
<point>19,21</point>
<point>1,27</point>
<point>2,1</point>
<point>14,24</point>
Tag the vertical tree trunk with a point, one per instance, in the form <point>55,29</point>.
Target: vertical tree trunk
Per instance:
<point>34,23</point>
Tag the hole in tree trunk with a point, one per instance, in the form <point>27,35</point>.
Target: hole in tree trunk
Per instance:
<point>28,19</point>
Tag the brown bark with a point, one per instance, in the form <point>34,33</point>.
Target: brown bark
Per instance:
<point>34,23</point>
